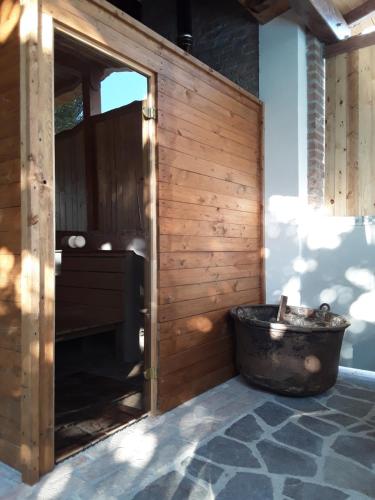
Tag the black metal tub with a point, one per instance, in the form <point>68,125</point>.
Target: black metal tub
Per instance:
<point>299,358</point>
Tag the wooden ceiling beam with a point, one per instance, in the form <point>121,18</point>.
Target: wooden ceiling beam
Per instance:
<point>353,43</point>
<point>322,18</point>
<point>265,10</point>
<point>360,12</point>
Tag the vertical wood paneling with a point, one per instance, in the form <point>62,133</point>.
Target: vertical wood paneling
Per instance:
<point>10,202</point>
<point>71,203</point>
<point>119,158</point>
<point>329,181</point>
<point>340,133</point>
<point>350,133</point>
<point>365,159</point>
<point>118,171</point>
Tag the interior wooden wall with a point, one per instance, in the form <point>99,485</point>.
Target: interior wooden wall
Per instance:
<point>350,133</point>
<point>71,202</point>
<point>119,160</point>
<point>116,157</point>
<point>10,315</point>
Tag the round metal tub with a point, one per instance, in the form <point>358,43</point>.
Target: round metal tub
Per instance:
<point>299,356</point>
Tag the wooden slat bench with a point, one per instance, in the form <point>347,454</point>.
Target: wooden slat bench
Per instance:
<point>98,292</point>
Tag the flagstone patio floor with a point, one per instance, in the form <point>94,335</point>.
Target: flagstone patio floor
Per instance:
<point>233,442</point>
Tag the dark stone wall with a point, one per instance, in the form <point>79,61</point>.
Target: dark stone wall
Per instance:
<point>226,37</point>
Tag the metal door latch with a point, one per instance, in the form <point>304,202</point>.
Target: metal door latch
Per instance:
<point>149,113</point>
<point>151,374</point>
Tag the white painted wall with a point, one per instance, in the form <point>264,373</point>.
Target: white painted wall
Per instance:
<point>282,85</point>
<point>311,258</point>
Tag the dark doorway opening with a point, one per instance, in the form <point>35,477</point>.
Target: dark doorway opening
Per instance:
<point>101,249</point>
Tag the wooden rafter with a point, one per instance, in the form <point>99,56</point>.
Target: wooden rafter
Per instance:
<point>322,18</point>
<point>265,10</point>
<point>360,12</point>
<point>353,43</point>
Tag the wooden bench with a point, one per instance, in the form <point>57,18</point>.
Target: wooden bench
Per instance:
<point>98,292</point>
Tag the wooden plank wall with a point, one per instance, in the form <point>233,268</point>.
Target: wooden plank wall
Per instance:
<point>209,224</point>
<point>350,133</point>
<point>117,157</point>
<point>209,188</point>
<point>10,315</point>
<point>71,203</point>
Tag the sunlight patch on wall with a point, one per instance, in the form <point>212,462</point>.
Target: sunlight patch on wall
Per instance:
<point>361,278</point>
<point>292,290</point>
<point>363,308</point>
<point>302,266</point>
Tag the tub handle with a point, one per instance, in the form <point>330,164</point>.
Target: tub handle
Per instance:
<point>325,307</point>
<point>241,314</point>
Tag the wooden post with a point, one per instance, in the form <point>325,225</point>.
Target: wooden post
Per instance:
<point>37,237</point>
<point>91,93</point>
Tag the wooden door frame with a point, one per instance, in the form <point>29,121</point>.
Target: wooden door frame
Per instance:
<point>37,31</point>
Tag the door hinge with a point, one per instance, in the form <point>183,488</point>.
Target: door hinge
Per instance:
<point>149,113</point>
<point>151,374</point>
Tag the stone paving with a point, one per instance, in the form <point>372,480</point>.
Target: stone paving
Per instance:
<point>231,443</point>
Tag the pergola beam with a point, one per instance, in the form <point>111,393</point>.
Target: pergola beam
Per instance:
<point>360,12</point>
<point>322,18</point>
<point>353,43</point>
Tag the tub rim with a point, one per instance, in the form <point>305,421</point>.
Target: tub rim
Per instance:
<point>287,328</point>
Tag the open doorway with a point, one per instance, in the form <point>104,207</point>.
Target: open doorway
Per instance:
<point>101,253</point>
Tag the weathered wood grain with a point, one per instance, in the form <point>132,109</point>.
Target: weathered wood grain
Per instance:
<point>349,172</point>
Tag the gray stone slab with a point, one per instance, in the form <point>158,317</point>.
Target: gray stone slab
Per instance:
<point>202,470</point>
<point>136,462</point>
<point>360,449</point>
<point>317,425</point>
<point>172,486</point>
<point>9,474</point>
<point>226,451</point>
<point>196,429</point>
<point>344,474</point>
<point>354,392</point>
<point>7,488</point>
<point>283,460</point>
<point>294,435</point>
<point>339,418</point>
<point>98,469</point>
<point>300,490</point>
<point>247,485</point>
<point>306,405</point>
<point>361,428</point>
<point>246,429</point>
<point>348,405</point>
<point>234,409</point>
<point>272,413</point>
<point>64,488</point>
<point>123,481</point>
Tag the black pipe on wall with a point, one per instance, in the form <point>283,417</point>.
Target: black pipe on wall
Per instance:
<point>184,25</point>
